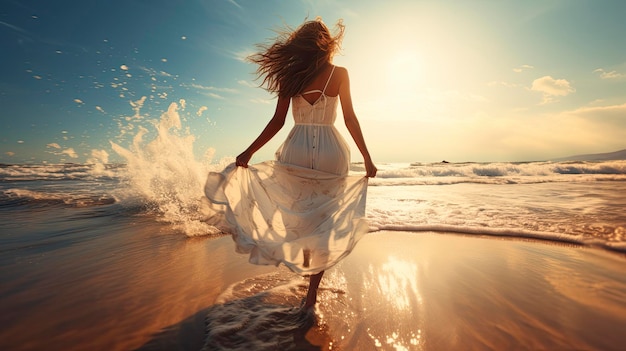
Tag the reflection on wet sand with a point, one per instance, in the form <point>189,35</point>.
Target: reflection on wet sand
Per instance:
<point>396,281</point>
<point>407,291</point>
<point>396,291</point>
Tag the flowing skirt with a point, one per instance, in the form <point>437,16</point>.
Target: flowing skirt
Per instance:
<point>280,213</point>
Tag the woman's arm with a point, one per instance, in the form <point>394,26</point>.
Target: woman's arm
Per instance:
<point>272,127</point>
<point>352,123</point>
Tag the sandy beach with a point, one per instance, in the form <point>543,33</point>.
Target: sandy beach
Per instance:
<point>396,291</point>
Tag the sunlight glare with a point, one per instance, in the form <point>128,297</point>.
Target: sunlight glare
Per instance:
<point>403,72</point>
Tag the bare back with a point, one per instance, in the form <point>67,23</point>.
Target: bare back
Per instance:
<point>321,83</point>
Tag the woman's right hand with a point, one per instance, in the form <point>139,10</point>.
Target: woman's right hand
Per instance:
<point>243,159</point>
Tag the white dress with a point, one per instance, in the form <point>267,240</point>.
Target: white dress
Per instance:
<point>303,209</point>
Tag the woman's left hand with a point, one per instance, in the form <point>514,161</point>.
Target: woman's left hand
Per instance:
<point>370,169</point>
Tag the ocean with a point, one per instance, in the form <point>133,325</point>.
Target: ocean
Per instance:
<point>79,242</point>
<point>579,202</point>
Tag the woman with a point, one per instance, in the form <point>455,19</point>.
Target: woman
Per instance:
<point>302,210</point>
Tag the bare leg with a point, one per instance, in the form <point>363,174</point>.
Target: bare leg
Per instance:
<point>307,257</point>
<point>311,296</point>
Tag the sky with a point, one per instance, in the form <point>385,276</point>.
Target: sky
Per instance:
<point>451,80</point>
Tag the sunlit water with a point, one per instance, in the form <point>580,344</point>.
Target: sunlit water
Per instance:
<point>102,256</point>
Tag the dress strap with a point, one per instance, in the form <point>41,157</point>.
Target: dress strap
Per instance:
<point>328,81</point>
<point>312,91</point>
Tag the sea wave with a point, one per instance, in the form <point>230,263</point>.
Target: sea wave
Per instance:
<point>497,172</point>
<point>500,169</point>
<point>16,197</point>
<point>414,213</point>
<point>56,172</point>
<point>388,174</point>
<point>582,240</point>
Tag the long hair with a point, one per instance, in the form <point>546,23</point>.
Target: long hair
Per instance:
<point>295,57</point>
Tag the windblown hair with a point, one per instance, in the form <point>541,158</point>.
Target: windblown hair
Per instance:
<point>295,58</point>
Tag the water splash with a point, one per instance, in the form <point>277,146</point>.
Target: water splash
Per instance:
<point>165,175</point>
<point>263,313</point>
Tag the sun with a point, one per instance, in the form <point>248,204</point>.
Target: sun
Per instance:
<point>403,71</point>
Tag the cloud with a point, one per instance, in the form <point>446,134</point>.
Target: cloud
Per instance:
<point>70,152</point>
<point>615,113</point>
<point>212,88</point>
<point>235,3</point>
<point>213,95</point>
<point>595,125</point>
<point>100,109</point>
<point>609,75</point>
<point>15,28</point>
<point>78,101</point>
<point>124,68</point>
<point>551,87</point>
<point>505,84</point>
<point>241,55</point>
<point>246,83</point>
<point>154,72</point>
<point>10,153</point>
<point>54,145</point>
<point>261,101</point>
<point>522,68</point>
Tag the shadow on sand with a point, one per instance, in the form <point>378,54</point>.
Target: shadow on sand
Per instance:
<point>187,335</point>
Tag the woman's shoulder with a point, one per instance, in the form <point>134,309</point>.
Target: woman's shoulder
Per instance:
<point>340,70</point>
<point>341,73</point>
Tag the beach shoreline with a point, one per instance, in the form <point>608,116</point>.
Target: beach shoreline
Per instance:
<point>395,290</point>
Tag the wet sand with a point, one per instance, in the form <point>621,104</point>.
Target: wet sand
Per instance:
<point>415,291</point>
<point>449,292</point>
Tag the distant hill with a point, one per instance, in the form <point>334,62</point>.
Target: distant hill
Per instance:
<point>616,155</point>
